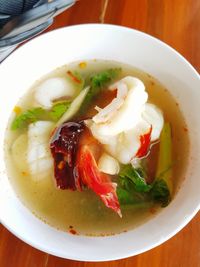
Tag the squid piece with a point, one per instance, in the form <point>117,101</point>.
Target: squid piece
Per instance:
<point>52,89</point>
<point>38,155</point>
<point>154,116</point>
<point>109,111</point>
<point>127,126</point>
<point>124,111</point>
<point>131,144</point>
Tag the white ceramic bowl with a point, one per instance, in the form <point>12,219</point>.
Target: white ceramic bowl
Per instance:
<point>48,51</point>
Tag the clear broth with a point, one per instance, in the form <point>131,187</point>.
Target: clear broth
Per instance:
<point>83,211</point>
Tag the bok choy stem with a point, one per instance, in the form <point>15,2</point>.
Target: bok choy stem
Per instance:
<point>164,167</point>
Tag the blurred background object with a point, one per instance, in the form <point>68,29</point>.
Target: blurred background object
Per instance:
<point>21,20</point>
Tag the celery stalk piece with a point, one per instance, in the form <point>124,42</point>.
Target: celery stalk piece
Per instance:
<point>164,167</point>
<point>74,107</point>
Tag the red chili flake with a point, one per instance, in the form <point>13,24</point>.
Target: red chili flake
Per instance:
<point>73,77</point>
<point>145,140</point>
<point>152,210</point>
<point>185,129</point>
<point>152,83</point>
<point>73,232</point>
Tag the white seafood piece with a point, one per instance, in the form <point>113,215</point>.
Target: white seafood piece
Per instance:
<point>106,113</point>
<point>154,116</point>
<point>52,89</point>
<point>120,130</point>
<point>128,143</point>
<point>103,139</point>
<point>38,155</point>
<point>125,145</point>
<point>125,110</point>
<point>108,164</point>
<point>19,152</point>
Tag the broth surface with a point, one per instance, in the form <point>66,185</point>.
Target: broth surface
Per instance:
<point>84,211</point>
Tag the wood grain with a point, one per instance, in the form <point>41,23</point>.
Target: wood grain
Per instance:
<point>176,22</point>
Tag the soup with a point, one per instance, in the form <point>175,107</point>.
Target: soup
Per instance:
<point>96,148</point>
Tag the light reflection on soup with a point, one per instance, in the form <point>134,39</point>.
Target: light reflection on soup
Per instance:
<point>84,211</point>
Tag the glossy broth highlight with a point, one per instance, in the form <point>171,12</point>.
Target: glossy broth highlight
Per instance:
<point>83,211</point>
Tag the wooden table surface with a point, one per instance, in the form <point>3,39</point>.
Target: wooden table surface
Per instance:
<point>176,22</point>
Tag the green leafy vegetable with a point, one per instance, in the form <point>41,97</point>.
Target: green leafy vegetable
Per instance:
<point>160,192</point>
<point>136,176</point>
<point>132,188</point>
<point>128,196</point>
<point>96,83</point>
<point>35,114</point>
<point>27,117</point>
<point>104,77</point>
<point>58,110</point>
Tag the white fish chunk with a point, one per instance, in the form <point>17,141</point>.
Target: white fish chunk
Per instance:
<point>38,154</point>
<point>52,89</point>
<point>108,164</point>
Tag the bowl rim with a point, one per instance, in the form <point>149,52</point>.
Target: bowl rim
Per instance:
<point>184,221</point>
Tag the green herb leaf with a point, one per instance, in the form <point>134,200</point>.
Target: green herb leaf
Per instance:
<point>128,197</point>
<point>104,77</point>
<point>36,114</point>
<point>132,188</point>
<point>27,117</point>
<point>58,110</point>
<point>96,83</point>
<point>160,192</point>
<point>136,177</point>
